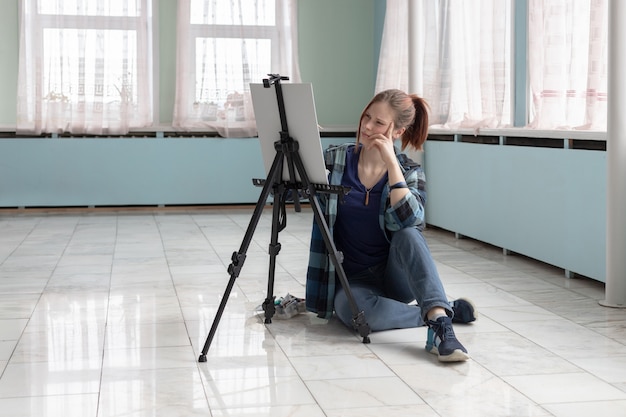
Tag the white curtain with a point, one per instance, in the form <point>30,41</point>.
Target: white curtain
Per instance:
<point>85,66</point>
<point>222,47</point>
<point>463,51</point>
<point>567,59</point>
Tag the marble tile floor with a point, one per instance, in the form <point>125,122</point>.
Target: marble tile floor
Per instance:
<point>104,313</point>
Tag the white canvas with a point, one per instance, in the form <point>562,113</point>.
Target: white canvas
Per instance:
<point>301,124</point>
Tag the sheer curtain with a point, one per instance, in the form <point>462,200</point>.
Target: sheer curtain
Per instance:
<point>222,48</point>
<point>463,53</point>
<point>85,66</point>
<point>567,56</point>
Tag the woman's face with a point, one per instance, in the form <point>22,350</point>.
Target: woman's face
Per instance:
<point>378,119</point>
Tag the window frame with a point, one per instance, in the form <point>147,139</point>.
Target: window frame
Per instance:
<point>209,31</point>
<point>194,112</point>
<point>107,23</point>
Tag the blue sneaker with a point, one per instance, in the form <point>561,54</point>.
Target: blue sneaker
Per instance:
<point>464,311</point>
<point>442,342</point>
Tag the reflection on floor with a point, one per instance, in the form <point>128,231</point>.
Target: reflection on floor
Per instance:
<point>104,313</point>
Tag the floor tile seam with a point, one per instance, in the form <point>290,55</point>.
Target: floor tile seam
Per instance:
<point>581,291</point>
<point>361,378</point>
<point>18,244</point>
<point>207,240</point>
<point>295,370</point>
<point>534,302</point>
<point>112,350</point>
<point>110,370</point>
<point>479,274</point>
<point>393,376</point>
<point>480,253</point>
<point>8,361</point>
<point>491,377</point>
<point>495,319</point>
<point>205,381</point>
<point>67,245</point>
<point>530,400</point>
<point>106,320</point>
<point>476,275</point>
<point>46,396</point>
<point>486,366</point>
<point>548,349</point>
<point>583,372</point>
<point>395,373</point>
<point>546,307</point>
<point>180,306</point>
<point>41,294</point>
<point>232,268</point>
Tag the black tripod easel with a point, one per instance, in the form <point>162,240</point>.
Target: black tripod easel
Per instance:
<point>286,150</point>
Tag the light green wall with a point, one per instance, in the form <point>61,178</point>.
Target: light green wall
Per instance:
<point>338,45</point>
<point>338,55</point>
<point>8,62</point>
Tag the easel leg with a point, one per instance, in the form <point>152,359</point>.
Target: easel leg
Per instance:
<point>358,316</point>
<point>278,224</point>
<point>238,258</point>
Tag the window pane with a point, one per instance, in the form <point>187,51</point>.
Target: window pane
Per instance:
<point>221,72</point>
<point>90,7</point>
<point>75,70</point>
<point>241,12</point>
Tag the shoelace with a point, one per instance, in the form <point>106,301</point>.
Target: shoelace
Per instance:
<point>444,332</point>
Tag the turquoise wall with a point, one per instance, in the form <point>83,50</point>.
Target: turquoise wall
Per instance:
<point>545,203</point>
<point>88,172</point>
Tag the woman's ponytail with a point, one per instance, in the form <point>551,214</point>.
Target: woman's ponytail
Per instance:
<point>417,131</point>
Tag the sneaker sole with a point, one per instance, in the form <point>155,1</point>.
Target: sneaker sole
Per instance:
<point>457,356</point>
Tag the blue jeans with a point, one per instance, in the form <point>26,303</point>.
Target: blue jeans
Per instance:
<point>383,292</point>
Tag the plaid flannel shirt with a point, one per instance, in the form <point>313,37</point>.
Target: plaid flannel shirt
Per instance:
<point>408,212</point>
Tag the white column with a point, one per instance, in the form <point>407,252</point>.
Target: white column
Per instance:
<point>615,290</point>
<point>415,40</point>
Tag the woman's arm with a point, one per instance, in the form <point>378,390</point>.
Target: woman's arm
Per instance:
<point>408,210</point>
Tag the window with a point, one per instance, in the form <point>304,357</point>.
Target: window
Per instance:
<point>462,55</point>
<point>85,66</point>
<point>465,66</point>
<point>567,64</point>
<point>222,48</point>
